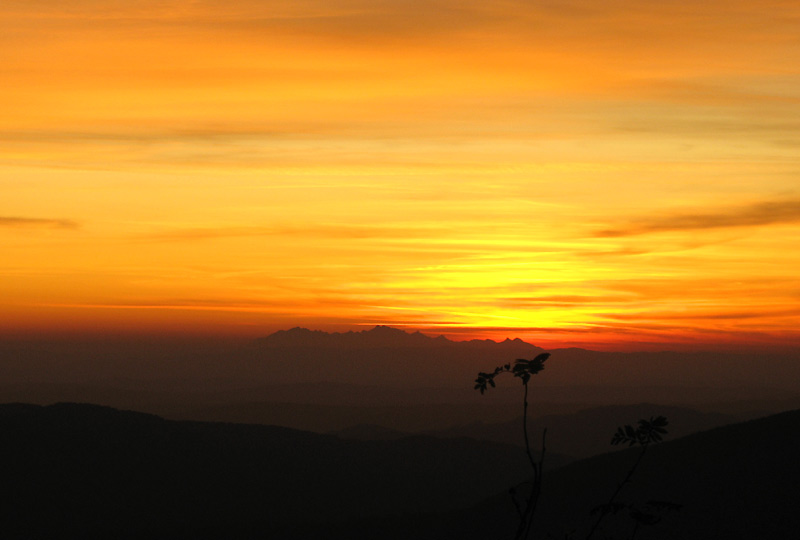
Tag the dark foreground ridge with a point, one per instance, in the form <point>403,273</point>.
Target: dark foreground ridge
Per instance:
<point>76,470</point>
<point>733,482</point>
<point>94,472</point>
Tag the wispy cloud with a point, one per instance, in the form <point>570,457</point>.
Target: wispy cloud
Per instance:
<point>15,222</point>
<point>322,231</point>
<point>765,213</point>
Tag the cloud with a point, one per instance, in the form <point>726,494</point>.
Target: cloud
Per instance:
<point>765,213</point>
<point>14,222</point>
<point>561,301</point>
<point>314,231</point>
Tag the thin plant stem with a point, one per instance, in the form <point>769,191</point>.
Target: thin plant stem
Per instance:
<point>616,492</point>
<point>526,523</point>
<point>525,429</point>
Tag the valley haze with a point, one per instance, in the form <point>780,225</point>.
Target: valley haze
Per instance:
<point>323,381</point>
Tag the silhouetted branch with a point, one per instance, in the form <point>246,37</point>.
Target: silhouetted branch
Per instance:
<point>523,369</point>
<point>648,432</point>
<point>513,493</point>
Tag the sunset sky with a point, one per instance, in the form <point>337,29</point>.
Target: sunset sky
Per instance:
<point>617,174</point>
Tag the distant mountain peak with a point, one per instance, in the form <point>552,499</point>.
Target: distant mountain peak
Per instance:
<point>379,336</point>
<point>386,330</point>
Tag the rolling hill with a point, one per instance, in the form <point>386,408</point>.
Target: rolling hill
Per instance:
<point>737,482</point>
<point>88,471</point>
<point>76,470</point>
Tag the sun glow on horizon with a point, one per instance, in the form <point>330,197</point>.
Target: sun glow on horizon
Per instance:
<point>619,177</point>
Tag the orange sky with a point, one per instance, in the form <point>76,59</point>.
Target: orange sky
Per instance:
<point>570,172</point>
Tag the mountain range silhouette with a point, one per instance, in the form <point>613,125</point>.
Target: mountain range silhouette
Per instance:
<point>378,337</point>
<point>78,470</point>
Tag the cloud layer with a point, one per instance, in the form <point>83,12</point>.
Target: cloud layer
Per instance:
<point>15,222</point>
<point>755,215</point>
<point>531,164</point>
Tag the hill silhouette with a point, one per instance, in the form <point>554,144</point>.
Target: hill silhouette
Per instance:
<point>88,471</point>
<point>382,355</point>
<point>378,337</point>
<point>734,482</point>
<point>586,432</point>
<point>76,470</point>
<point>580,367</point>
<point>252,380</point>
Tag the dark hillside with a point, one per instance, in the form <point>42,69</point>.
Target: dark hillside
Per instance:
<point>586,433</point>
<point>737,481</point>
<point>89,471</point>
<point>733,482</point>
<point>94,472</point>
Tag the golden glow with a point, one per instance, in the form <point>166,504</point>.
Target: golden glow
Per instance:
<point>558,171</point>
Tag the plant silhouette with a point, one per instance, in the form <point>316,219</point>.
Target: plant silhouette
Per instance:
<point>647,432</point>
<point>524,370</point>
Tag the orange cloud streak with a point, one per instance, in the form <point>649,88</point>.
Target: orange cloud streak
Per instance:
<point>574,173</point>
